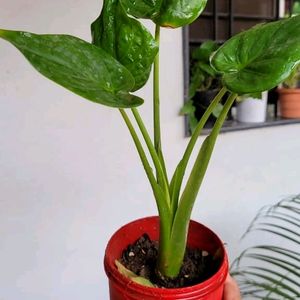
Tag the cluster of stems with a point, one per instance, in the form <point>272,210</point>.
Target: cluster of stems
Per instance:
<point>174,206</point>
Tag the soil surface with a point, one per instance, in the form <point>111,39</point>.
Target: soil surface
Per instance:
<point>141,257</point>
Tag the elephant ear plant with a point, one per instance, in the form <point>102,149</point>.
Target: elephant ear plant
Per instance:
<point>118,62</point>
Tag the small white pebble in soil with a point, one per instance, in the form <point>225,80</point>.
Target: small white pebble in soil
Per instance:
<point>131,254</point>
<point>205,253</point>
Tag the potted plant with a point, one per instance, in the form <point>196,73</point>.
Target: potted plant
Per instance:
<point>289,95</point>
<point>252,108</point>
<point>205,83</point>
<point>289,90</point>
<point>116,64</point>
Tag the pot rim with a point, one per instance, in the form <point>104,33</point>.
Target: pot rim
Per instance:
<point>288,90</point>
<point>215,280</point>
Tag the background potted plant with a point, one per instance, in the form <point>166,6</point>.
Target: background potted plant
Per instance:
<point>289,90</point>
<point>205,83</point>
<point>289,96</point>
<point>252,108</point>
<point>107,71</point>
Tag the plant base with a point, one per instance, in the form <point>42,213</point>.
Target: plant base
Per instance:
<point>121,288</point>
<point>141,258</point>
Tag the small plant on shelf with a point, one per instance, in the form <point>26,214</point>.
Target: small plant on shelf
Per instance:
<point>205,83</point>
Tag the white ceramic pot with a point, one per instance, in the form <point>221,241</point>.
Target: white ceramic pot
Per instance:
<point>251,110</point>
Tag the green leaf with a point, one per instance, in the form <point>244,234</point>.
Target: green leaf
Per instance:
<point>146,9</point>
<point>197,81</point>
<point>217,111</point>
<point>166,13</point>
<point>132,276</point>
<point>177,13</point>
<point>260,58</point>
<point>204,52</point>
<point>208,69</point>
<point>78,66</point>
<point>188,108</point>
<point>126,39</point>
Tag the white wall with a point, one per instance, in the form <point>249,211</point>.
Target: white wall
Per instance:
<point>70,176</point>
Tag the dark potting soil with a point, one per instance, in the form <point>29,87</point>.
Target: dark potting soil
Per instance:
<point>141,257</point>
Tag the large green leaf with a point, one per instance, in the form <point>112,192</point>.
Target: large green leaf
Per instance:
<point>126,39</point>
<point>177,13</point>
<point>260,58</point>
<point>78,66</point>
<point>146,9</point>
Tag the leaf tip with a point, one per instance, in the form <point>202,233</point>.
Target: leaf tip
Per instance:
<point>2,32</point>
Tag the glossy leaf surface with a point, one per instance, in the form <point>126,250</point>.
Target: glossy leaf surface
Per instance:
<point>78,66</point>
<point>146,9</point>
<point>260,58</point>
<point>126,39</point>
<point>177,13</point>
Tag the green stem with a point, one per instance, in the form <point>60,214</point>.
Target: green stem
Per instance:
<point>181,168</point>
<point>159,195</point>
<point>156,100</point>
<point>156,105</point>
<point>198,129</point>
<point>161,178</point>
<point>177,245</point>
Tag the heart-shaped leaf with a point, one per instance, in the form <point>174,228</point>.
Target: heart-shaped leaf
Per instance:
<point>126,39</point>
<point>260,58</point>
<point>78,66</point>
<point>177,13</point>
<point>145,9</point>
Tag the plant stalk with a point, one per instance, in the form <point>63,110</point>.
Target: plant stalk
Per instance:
<point>156,105</point>
<point>156,100</point>
<point>162,204</point>
<point>161,178</point>
<point>177,178</point>
<point>161,197</point>
<point>171,261</point>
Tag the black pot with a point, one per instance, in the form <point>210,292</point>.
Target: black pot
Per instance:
<point>202,100</point>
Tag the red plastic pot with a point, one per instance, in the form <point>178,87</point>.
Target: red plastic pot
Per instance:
<point>121,288</point>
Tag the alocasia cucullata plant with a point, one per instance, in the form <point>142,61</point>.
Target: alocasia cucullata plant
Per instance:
<point>118,62</point>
